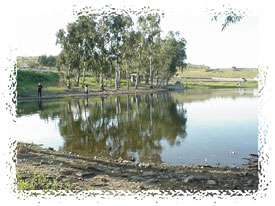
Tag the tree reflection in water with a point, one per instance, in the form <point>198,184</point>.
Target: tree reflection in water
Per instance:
<point>122,126</point>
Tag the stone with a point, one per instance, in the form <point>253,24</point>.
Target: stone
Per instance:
<point>211,182</point>
<point>173,180</point>
<point>50,148</point>
<point>179,172</point>
<point>148,173</point>
<point>151,180</point>
<point>188,179</point>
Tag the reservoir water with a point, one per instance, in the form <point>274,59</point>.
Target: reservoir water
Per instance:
<point>193,127</point>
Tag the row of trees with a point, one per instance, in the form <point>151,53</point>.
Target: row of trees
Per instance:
<point>47,61</point>
<point>119,43</point>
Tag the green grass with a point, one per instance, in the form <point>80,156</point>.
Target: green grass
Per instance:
<point>249,84</point>
<point>204,71</point>
<point>38,181</point>
<point>54,82</point>
<point>27,81</point>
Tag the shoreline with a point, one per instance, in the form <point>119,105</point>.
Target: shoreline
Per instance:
<point>97,93</point>
<point>86,173</point>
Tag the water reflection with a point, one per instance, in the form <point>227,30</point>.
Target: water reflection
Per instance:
<point>121,126</point>
<point>150,127</point>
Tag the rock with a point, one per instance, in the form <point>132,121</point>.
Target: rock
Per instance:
<point>133,159</point>
<point>126,161</point>
<point>78,174</point>
<point>50,148</point>
<point>21,149</point>
<point>173,180</point>
<point>188,179</point>
<point>151,180</point>
<point>145,165</point>
<point>211,182</point>
<point>179,172</point>
<point>36,164</point>
<point>148,173</point>
<point>42,162</point>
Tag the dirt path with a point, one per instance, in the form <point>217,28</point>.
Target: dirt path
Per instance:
<point>84,173</point>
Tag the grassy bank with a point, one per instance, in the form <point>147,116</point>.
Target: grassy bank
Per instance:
<point>27,81</point>
<point>54,82</point>
<point>204,71</point>
<point>249,84</point>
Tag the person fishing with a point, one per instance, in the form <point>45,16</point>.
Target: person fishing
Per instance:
<point>39,89</point>
<point>86,89</point>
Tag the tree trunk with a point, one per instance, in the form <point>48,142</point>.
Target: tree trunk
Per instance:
<point>162,80</point>
<point>111,71</point>
<point>167,81</point>
<point>151,72</point>
<point>157,79</point>
<point>127,76</point>
<point>101,81</point>
<point>83,79</point>
<point>68,78</point>
<point>118,79</point>
<point>117,76</point>
<point>77,78</point>
<point>137,79</point>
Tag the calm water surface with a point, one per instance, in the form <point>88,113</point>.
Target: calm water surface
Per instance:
<point>192,127</point>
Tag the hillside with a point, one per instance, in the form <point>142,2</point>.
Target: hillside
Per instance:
<point>205,71</point>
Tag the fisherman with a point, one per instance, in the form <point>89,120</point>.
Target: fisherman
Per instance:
<point>86,89</point>
<point>39,89</point>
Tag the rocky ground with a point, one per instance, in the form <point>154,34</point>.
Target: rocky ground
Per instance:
<point>83,173</point>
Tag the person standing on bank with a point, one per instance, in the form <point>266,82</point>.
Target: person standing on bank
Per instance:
<point>86,89</point>
<point>39,89</point>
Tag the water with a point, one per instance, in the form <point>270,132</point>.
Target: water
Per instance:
<point>194,127</point>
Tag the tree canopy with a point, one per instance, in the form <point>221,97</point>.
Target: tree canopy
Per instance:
<point>110,41</point>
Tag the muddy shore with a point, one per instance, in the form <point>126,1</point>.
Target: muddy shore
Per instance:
<point>85,173</point>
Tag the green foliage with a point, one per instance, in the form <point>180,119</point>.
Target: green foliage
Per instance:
<point>38,181</point>
<point>110,38</point>
<point>45,61</point>
<point>228,14</point>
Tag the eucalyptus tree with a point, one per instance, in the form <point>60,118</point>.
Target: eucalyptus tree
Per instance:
<point>102,50</point>
<point>128,52</point>
<point>117,30</point>
<point>172,55</point>
<point>149,25</point>
<point>68,57</point>
<point>87,34</point>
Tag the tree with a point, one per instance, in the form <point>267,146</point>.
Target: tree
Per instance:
<point>228,14</point>
<point>149,25</point>
<point>43,60</point>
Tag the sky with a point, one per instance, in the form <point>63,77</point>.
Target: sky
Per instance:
<point>38,21</point>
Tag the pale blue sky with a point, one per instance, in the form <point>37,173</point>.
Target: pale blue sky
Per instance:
<point>38,22</point>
